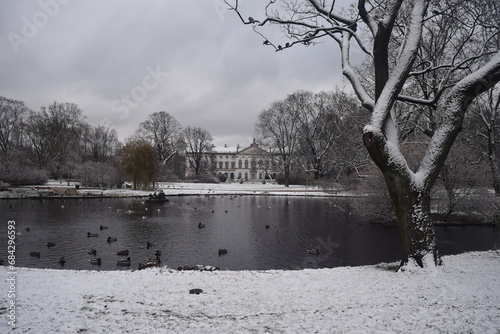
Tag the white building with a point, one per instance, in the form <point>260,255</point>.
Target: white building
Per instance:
<point>236,163</point>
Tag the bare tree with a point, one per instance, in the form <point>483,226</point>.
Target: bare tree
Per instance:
<point>487,109</point>
<point>279,126</point>
<point>164,132</point>
<point>325,143</point>
<point>12,116</point>
<point>391,34</point>
<point>198,144</point>
<point>53,133</point>
<point>100,143</point>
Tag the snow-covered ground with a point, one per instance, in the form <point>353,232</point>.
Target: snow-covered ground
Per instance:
<point>463,296</point>
<point>181,188</point>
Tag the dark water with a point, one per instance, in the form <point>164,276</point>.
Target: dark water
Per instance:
<point>295,225</point>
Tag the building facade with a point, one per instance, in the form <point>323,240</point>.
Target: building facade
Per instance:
<point>236,163</point>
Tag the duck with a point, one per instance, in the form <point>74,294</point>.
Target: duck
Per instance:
<point>148,265</point>
<point>267,226</point>
<point>51,244</point>
<point>150,244</point>
<point>92,235</point>
<point>200,225</point>
<point>28,229</point>
<point>313,251</point>
<point>111,239</point>
<point>35,254</point>
<point>124,262</point>
<point>158,253</point>
<point>222,251</point>
<point>61,260</point>
<point>122,252</point>
<point>103,227</point>
<point>95,261</point>
<point>154,260</point>
<point>91,251</point>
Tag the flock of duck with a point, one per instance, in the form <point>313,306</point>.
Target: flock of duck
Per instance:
<point>153,261</point>
<point>150,262</point>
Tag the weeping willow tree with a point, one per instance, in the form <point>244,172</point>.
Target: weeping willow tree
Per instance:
<point>139,163</point>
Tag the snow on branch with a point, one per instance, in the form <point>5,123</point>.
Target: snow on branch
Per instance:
<point>352,76</point>
<point>453,106</point>
<point>310,21</point>
<point>396,79</point>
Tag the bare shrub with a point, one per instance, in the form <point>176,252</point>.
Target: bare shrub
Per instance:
<point>97,174</point>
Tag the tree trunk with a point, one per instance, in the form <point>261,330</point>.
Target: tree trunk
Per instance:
<point>492,159</point>
<point>416,231</point>
<point>317,168</point>
<point>450,191</point>
<point>287,175</point>
<point>412,206</point>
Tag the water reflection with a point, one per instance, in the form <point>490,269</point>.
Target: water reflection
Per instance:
<point>237,224</point>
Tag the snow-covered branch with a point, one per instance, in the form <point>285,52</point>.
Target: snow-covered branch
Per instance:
<point>454,104</point>
<point>352,76</point>
<point>396,79</point>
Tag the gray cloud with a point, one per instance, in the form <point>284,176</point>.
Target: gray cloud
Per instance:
<point>211,71</point>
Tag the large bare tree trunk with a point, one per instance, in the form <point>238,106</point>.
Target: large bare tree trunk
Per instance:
<point>411,205</point>
<point>416,231</point>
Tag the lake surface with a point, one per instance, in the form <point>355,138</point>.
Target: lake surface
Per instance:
<point>237,224</point>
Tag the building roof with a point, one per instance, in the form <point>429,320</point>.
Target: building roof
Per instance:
<point>252,149</point>
<point>226,149</point>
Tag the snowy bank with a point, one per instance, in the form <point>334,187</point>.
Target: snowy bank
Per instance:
<point>58,189</point>
<point>463,296</point>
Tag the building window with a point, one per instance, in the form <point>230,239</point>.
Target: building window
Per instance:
<point>220,164</point>
<point>233,164</point>
<point>246,164</point>
<point>240,164</point>
<point>227,164</point>
<point>246,176</point>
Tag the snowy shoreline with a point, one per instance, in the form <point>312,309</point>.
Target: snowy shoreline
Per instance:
<point>57,189</point>
<point>462,296</point>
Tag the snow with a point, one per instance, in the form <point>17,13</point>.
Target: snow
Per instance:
<point>185,188</point>
<point>227,149</point>
<point>462,296</point>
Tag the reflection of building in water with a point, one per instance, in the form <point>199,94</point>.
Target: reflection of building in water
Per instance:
<point>236,163</point>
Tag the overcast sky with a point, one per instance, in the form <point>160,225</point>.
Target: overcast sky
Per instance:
<point>120,61</point>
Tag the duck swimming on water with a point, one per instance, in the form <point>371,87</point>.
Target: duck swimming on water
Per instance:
<point>124,262</point>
